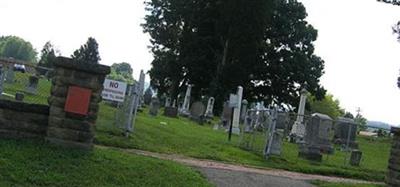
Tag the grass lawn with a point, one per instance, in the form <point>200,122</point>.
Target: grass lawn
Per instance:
<point>181,136</point>
<point>35,163</point>
<point>326,184</point>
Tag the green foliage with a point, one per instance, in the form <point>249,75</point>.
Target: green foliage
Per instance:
<point>48,55</point>
<point>87,53</point>
<point>328,105</point>
<point>265,46</point>
<point>17,48</point>
<point>361,121</point>
<point>348,115</point>
<point>36,163</point>
<point>182,136</point>
<point>121,72</point>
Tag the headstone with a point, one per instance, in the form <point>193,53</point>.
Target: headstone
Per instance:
<point>276,145</point>
<point>226,115</point>
<point>197,111</point>
<point>355,157</point>
<point>186,103</point>
<point>148,94</point>
<point>243,111</point>
<point>236,112</point>
<point>317,138</point>
<point>298,129</point>
<point>167,102</point>
<point>10,75</point>
<point>210,108</point>
<point>346,132</point>
<point>19,96</point>
<point>171,112</point>
<point>154,106</point>
<point>32,84</point>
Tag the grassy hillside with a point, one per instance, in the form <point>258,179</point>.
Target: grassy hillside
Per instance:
<point>35,163</point>
<point>181,136</point>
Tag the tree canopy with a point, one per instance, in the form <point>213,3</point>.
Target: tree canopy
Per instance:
<point>121,72</point>
<point>17,48</point>
<point>266,46</point>
<point>88,53</point>
<point>328,105</point>
<point>48,55</point>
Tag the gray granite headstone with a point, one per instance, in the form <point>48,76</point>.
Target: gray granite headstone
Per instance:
<point>197,110</point>
<point>154,106</point>
<point>32,84</point>
<point>318,134</point>
<point>10,75</point>
<point>226,115</point>
<point>355,157</point>
<point>171,112</point>
<point>345,129</point>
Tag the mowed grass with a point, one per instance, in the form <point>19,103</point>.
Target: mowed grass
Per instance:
<point>35,163</point>
<point>20,83</point>
<point>328,184</point>
<point>182,136</point>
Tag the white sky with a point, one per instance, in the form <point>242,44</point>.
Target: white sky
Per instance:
<point>355,40</point>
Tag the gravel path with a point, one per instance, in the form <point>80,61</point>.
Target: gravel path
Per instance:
<point>219,173</point>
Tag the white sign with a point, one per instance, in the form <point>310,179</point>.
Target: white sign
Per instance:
<point>114,90</point>
<point>233,101</point>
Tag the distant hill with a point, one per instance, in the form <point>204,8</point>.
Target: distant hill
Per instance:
<point>379,124</point>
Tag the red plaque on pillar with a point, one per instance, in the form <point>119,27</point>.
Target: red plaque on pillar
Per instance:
<point>78,100</point>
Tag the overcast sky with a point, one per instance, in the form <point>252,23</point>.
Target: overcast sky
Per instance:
<point>355,40</point>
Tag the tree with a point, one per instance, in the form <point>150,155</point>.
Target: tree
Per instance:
<point>328,105</point>
<point>361,121</point>
<point>48,55</point>
<point>121,72</point>
<point>87,53</point>
<point>348,115</point>
<point>265,46</point>
<point>17,48</point>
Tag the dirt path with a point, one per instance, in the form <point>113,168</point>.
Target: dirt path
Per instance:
<point>211,168</point>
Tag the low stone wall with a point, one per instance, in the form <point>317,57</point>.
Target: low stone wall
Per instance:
<point>393,176</point>
<point>22,120</point>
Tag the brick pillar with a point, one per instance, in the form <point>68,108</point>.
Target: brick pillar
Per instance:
<point>71,129</point>
<point>393,176</point>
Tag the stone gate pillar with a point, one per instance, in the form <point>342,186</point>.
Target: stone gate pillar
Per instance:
<point>68,127</point>
<point>393,176</point>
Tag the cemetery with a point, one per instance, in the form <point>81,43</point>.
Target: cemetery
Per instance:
<point>199,93</point>
<point>253,136</point>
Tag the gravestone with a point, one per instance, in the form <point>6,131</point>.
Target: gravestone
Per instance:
<point>226,117</point>
<point>185,110</point>
<point>10,75</point>
<point>148,94</point>
<point>298,129</point>
<point>197,111</point>
<point>355,157</point>
<point>171,112</point>
<point>243,111</point>
<point>32,84</point>
<point>154,106</point>
<point>236,100</point>
<point>276,145</point>
<point>317,138</point>
<point>346,129</point>
<point>19,96</point>
<point>210,108</point>
<point>167,102</point>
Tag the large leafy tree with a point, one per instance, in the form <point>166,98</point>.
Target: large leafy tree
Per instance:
<point>88,53</point>
<point>17,48</point>
<point>263,45</point>
<point>121,72</point>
